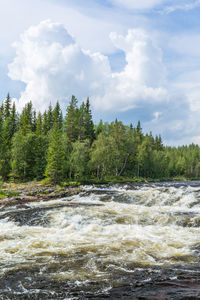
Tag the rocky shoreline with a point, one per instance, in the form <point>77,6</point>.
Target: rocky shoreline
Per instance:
<point>20,193</point>
<point>16,194</point>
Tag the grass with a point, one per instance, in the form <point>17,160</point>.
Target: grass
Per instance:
<point>4,194</point>
<point>124,180</point>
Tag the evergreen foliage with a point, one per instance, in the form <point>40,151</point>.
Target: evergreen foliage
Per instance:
<point>72,119</point>
<point>37,145</point>
<point>55,155</point>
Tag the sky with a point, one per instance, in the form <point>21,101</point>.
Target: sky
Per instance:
<point>135,60</point>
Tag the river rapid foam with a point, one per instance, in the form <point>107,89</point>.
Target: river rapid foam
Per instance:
<point>117,242</point>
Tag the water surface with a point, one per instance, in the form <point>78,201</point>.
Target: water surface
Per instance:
<point>136,241</point>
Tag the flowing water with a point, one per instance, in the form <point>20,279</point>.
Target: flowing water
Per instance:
<point>109,242</point>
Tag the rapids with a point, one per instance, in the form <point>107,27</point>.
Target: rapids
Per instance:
<point>134,241</point>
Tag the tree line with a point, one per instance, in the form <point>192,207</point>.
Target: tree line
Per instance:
<point>71,147</point>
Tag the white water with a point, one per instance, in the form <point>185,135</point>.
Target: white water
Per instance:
<point>105,229</point>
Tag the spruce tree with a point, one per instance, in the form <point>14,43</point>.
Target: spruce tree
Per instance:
<point>2,109</point>
<point>14,120</point>
<point>48,118</point>
<point>88,123</point>
<point>45,125</point>
<point>55,156</point>
<point>7,131</point>
<point>40,156</point>
<point>1,137</point>
<point>57,115</point>
<point>139,134</point>
<point>34,121</point>
<point>81,135</point>
<point>7,106</point>
<point>72,125</point>
<point>26,119</point>
<point>39,125</point>
<point>158,143</point>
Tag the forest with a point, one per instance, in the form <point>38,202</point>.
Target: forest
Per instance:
<point>35,146</point>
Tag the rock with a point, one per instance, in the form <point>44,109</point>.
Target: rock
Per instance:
<point>31,193</point>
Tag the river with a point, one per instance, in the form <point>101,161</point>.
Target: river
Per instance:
<point>130,241</point>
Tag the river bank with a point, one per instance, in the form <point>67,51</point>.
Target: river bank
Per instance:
<point>19,193</point>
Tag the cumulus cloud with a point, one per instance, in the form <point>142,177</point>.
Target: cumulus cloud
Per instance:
<point>143,78</point>
<point>53,67</point>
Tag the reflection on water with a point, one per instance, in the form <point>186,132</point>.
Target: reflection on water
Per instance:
<point>121,241</point>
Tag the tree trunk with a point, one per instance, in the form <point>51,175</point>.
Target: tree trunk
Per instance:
<point>124,165</point>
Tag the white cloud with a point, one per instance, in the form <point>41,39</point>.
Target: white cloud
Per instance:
<point>179,122</point>
<point>189,84</point>
<point>182,6</point>
<point>137,5</point>
<point>142,80</point>
<point>157,115</point>
<point>54,67</point>
<point>79,20</point>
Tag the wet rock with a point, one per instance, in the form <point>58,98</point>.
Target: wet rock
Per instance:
<point>21,206</point>
<point>32,284</point>
<point>33,193</point>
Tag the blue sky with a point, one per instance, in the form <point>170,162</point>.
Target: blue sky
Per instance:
<point>134,59</point>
